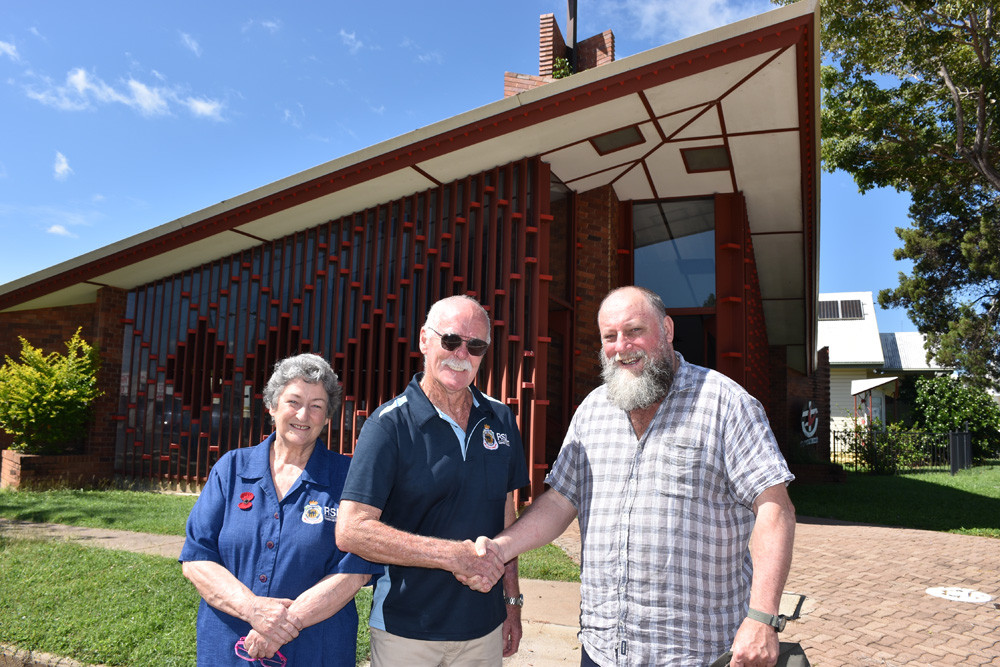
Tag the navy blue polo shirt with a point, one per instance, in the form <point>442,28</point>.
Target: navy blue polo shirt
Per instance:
<point>408,463</point>
<point>277,549</point>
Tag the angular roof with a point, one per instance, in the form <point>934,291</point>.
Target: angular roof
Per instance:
<point>853,341</point>
<point>904,351</point>
<point>750,88</point>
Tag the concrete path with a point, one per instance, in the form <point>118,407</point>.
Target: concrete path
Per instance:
<point>861,593</point>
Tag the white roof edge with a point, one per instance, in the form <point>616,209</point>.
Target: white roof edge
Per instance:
<point>861,386</point>
<point>616,68</point>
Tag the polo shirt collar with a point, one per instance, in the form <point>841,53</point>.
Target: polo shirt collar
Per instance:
<point>424,410</point>
<point>258,464</point>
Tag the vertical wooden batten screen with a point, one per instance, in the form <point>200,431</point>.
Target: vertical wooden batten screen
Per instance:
<point>200,345</point>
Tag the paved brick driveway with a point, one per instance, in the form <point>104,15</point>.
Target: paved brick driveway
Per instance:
<point>866,601</point>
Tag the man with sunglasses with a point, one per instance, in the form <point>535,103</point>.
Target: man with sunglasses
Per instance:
<point>433,469</point>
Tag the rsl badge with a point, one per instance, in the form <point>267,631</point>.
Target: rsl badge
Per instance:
<point>489,438</point>
<point>313,513</point>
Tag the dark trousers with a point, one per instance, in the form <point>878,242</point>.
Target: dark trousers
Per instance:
<point>585,660</point>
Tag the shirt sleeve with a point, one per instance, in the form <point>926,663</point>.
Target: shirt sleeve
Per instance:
<point>353,564</point>
<point>373,466</point>
<point>518,468</point>
<point>204,524</point>
<point>565,477</point>
<point>753,459</point>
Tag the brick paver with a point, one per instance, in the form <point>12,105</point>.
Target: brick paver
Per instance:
<point>866,601</point>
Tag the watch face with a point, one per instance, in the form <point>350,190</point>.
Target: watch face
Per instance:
<point>780,624</point>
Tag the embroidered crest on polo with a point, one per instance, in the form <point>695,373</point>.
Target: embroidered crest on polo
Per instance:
<point>313,513</point>
<point>489,439</point>
<point>503,439</point>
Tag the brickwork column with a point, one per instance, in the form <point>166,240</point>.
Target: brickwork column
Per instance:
<point>596,274</point>
<point>108,339</point>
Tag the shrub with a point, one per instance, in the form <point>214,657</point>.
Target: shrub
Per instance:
<point>46,400</point>
<point>947,404</point>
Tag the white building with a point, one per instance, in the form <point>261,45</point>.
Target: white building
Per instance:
<point>866,366</point>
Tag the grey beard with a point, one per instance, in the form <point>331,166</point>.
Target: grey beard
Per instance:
<point>630,392</point>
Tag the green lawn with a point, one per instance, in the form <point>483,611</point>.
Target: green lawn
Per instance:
<point>967,503</point>
<point>117,608</point>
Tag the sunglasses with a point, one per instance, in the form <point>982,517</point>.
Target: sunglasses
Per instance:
<point>452,341</point>
<point>241,652</point>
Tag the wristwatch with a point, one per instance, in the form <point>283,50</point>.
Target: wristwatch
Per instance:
<point>515,602</point>
<point>776,622</point>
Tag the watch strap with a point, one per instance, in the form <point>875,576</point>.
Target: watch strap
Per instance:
<point>776,622</point>
<point>514,602</point>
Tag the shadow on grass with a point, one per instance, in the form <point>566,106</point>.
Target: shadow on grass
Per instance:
<point>934,501</point>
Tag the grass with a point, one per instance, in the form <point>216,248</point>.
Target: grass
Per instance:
<point>96,605</point>
<point>118,608</point>
<point>967,503</point>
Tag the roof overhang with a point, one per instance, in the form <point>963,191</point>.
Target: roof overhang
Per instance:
<point>861,386</point>
<point>750,88</point>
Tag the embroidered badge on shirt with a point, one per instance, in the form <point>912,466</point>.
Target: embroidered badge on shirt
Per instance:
<point>489,439</point>
<point>503,439</point>
<point>313,513</point>
<point>246,500</point>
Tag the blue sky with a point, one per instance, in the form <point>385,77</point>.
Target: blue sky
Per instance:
<point>121,116</point>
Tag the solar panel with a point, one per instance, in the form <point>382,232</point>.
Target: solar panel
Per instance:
<point>851,310</point>
<point>829,310</point>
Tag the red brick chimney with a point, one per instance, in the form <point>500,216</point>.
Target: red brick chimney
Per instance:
<point>591,52</point>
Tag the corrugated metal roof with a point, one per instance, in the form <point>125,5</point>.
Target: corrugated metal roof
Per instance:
<point>904,351</point>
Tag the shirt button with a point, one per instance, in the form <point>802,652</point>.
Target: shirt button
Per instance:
<point>263,578</point>
<point>275,515</point>
<point>270,544</point>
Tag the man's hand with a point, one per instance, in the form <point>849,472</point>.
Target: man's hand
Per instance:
<point>271,619</point>
<point>756,645</point>
<point>512,631</point>
<point>478,565</point>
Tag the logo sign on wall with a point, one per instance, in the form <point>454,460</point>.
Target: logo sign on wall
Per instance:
<point>810,424</point>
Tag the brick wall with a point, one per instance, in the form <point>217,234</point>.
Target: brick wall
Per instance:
<point>100,325</point>
<point>108,338</point>
<point>47,329</point>
<point>596,274</point>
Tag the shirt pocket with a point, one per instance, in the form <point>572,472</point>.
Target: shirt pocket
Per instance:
<point>677,469</point>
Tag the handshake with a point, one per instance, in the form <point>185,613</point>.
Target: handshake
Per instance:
<point>479,565</point>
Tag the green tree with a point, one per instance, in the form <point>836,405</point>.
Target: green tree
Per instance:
<point>46,399</point>
<point>910,95</point>
<point>947,404</point>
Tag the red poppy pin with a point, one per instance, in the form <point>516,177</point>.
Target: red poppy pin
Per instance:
<point>247,500</point>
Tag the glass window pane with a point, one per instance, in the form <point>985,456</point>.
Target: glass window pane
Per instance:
<point>675,251</point>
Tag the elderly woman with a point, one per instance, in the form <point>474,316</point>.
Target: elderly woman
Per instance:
<point>260,544</point>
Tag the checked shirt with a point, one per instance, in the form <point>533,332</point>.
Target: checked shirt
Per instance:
<point>665,520</point>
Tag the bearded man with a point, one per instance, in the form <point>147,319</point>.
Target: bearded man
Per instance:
<point>679,486</point>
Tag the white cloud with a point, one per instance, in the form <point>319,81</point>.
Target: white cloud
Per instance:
<point>668,20</point>
<point>61,169</point>
<point>59,230</point>
<point>149,101</point>
<point>191,44</point>
<point>204,108</point>
<point>351,41</point>
<point>293,115</point>
<point>9,50</point>
<point>271,25</point>
<point>423,56</point>
<point>84,91</point>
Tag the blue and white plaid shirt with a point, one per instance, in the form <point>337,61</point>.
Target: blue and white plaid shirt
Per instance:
<point>665,520</point>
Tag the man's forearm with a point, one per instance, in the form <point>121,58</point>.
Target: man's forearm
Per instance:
<point>544,520</point>
<point>771,551</point>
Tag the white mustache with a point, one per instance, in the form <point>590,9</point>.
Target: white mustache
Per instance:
<point>457,364</point>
